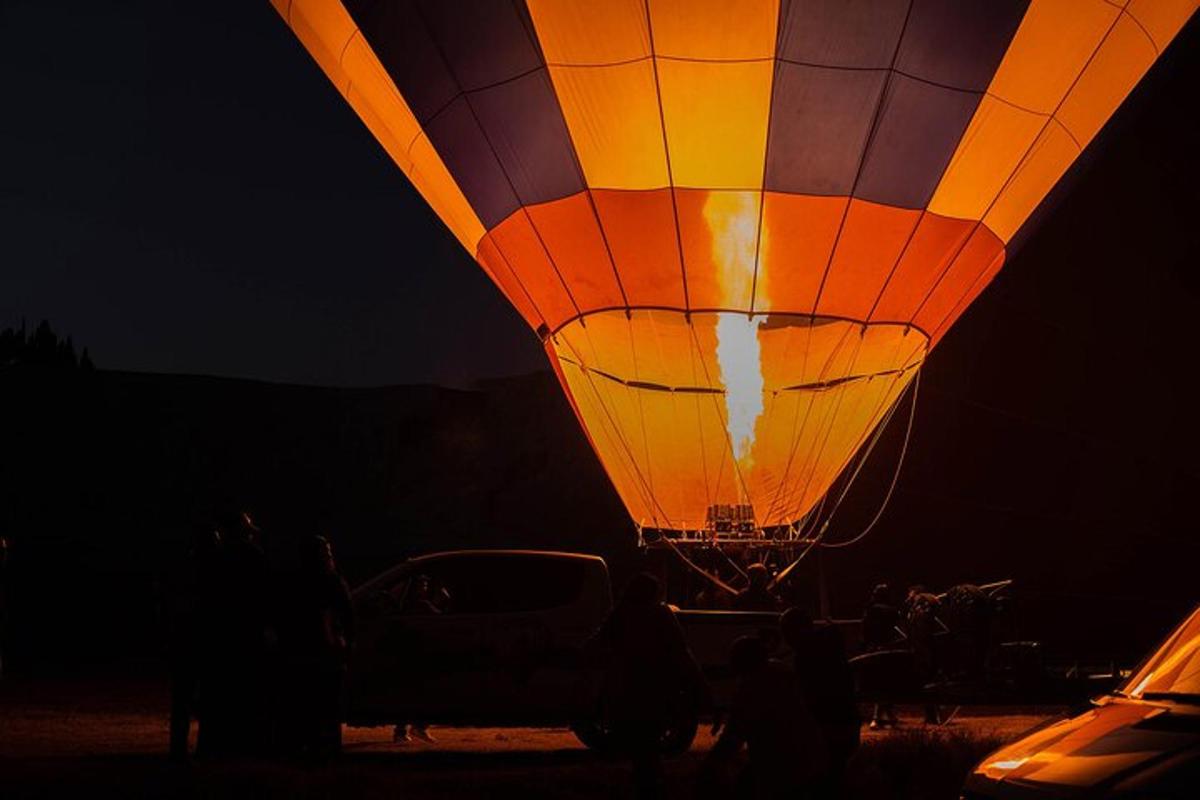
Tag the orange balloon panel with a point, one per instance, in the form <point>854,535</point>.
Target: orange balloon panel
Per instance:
<point>730,250</point>
<point>738,226</point>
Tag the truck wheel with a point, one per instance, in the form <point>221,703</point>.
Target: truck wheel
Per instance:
<point>676,737</point>
<point>680,734</point>
<point>594,736</point>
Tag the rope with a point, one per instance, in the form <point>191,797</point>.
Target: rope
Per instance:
<point>732,563</point>
<point>817,539</point>
<point>876,435</point>
<point>912,413</point>
<point>696,567</point>
<point>947,720</point>
<point>780,577</point>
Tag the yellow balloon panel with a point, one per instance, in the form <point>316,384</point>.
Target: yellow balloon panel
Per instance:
<point>999,136</point>
<point>1119,63</point>
<point>1045,162</point>
<point>716,30</point>
<point>571,32</point>
<point>1068,67</point>
<point>689,414</point>
<point>1161,19</point>
<point>1054,43</point>
<point>716,121</point>
<point>612,113</point>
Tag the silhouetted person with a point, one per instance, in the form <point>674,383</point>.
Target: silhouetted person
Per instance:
<point>827,684</point>
<point>879,631</point>
<point>651,678</point>
<point>771,716</point>
<point>233,686</point>
<point>405,733</point>
<point>423,599</point>
<point>757,595</point>
<point>4,578</point>
<point>880,619</point>
<point>190,628</point>
<point>921,625</point>
<point>426,598</point>
<point>322,635</point>
<point>967,612</point>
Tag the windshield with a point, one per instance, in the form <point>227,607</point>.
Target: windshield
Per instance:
<point>1175,668</point>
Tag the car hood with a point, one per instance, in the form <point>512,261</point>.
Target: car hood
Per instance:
<point>1107,746</point>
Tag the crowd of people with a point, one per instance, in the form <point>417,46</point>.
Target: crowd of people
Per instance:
<point>944,636</point>
<point>257,656</point>
<point>797,722</point>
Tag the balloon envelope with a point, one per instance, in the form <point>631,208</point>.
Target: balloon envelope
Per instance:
<point>739,227</point>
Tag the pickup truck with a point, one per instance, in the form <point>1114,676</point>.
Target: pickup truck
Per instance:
<point>494,638</point>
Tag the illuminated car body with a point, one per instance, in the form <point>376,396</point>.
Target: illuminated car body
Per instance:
<point>1141,742</point>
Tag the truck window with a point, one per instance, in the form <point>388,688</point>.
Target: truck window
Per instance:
<point>495,585</point>
<point>427,595</point>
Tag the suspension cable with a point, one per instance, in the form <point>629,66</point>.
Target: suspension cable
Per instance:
<point>820,535</point>
<point>912,413</point>
<point>697,568</point>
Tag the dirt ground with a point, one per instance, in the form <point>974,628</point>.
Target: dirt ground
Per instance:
<point>107,738</point>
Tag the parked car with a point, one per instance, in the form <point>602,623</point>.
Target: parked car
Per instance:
<point>495,638</point>
<point>1141,741</point>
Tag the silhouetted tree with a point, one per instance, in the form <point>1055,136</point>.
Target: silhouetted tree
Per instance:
<point>43,349</point>
<point>12,345</point>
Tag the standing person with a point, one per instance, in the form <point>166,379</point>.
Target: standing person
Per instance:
<point>880,619</point>
<point>233,685</point>
<point>3,598</point>
<point>825,680</point>
<point>757,595</point>
<point>651,678</point>
<point>772,718</point>
<point>921,625</point>
<point>879,629</point>
<point>422,600</point>
<point>189,628</point>
<point>405,733</point>
<point>967,613</point>
<point>324,633</point>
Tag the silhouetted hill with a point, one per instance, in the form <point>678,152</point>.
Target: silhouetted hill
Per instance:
<point>104,475</point>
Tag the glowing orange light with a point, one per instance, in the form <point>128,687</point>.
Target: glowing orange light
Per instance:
<point>732,219</point>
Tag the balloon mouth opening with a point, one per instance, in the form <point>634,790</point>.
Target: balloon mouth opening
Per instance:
<point>721,420</point>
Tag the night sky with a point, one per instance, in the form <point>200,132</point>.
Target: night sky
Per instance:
<point>182,190</point>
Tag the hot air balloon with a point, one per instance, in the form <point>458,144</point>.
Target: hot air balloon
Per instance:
<point>739,226</point>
